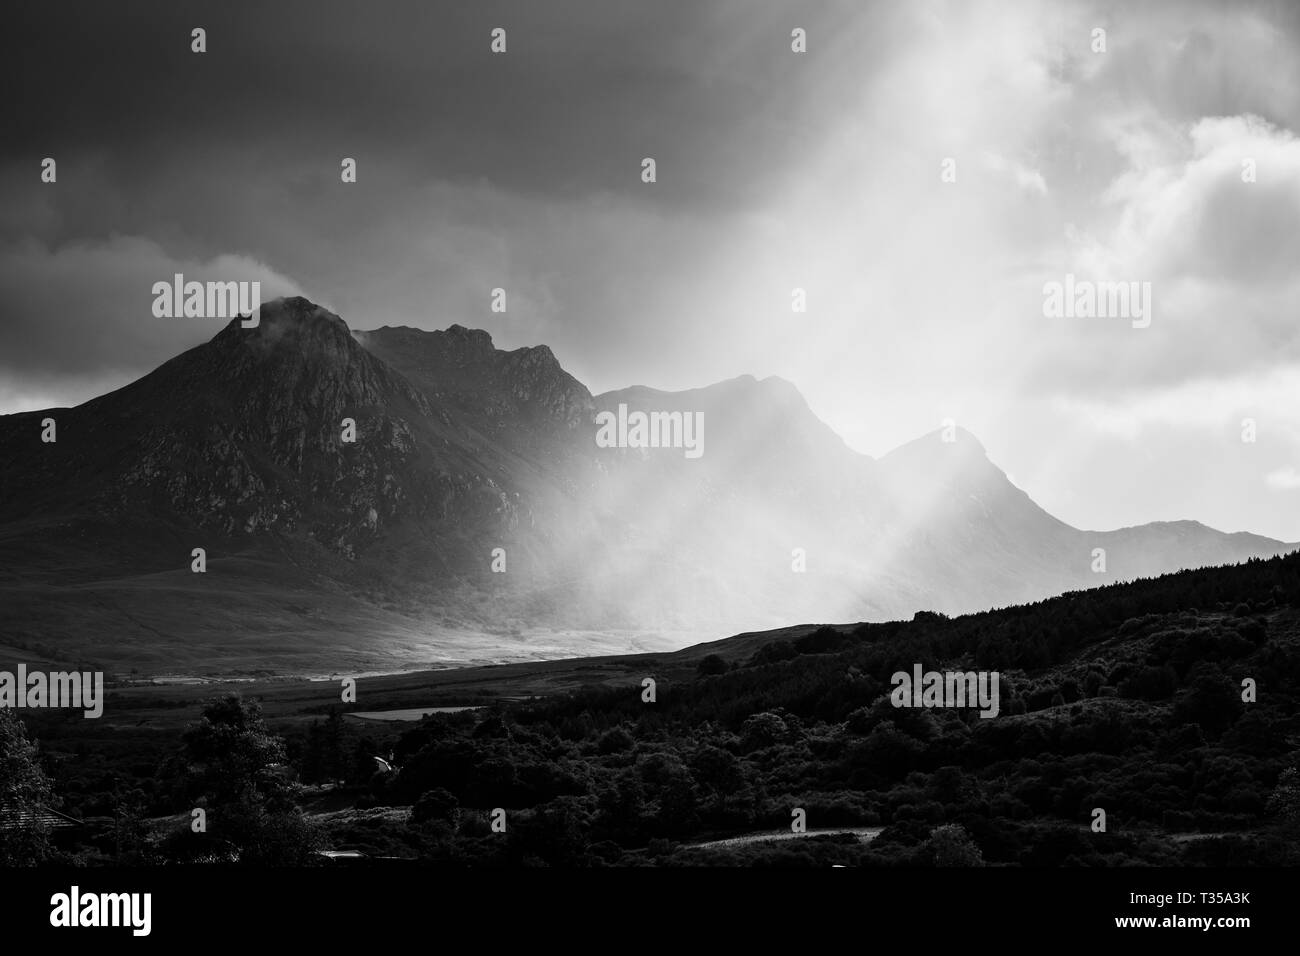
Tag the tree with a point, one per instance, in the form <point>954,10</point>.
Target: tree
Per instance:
<point>763,730</point>
<point>669,781</point>
<point>719,770</point>
<point>616,740</point>
<point>861,721</point>
<point>951,845</point>
<point>130,828</point>
<point>230,753</point>
<point>555,833</point>
<point>238,771</point>
<point>886,752</point>
<point>24,789</point>
<point>1212,702</point>
<point>621,804</point>
<point>436,804</point>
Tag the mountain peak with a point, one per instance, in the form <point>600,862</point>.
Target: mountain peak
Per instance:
<point>463,365</point>
<point>478,338</point>
<point>965,441</point>
<point>936,455</point>
<point>962,441</point>
<point>296,308</point>
<point>288,326</point>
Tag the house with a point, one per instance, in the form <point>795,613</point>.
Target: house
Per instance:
<point>16,817</point>
<point>61,828</point>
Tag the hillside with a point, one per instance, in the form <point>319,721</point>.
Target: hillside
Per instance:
<point>475,518</point>
<point>1127,698</point>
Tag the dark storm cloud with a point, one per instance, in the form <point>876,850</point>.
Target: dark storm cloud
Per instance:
<point>585,91</point>
<point>774,171</point>
<point>466,159</point>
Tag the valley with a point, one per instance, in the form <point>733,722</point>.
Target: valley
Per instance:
<point>1126,699</point>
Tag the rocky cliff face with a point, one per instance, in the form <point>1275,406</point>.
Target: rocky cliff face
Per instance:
<point>247,434</point>
<point>462,366</point>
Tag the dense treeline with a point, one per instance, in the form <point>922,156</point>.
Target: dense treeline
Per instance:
<point>1127,698</point>
<point>1169,704</point>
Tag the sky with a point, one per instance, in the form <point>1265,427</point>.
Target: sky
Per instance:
<point>775,170</point>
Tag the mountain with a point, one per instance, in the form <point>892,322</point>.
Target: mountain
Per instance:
<point>478,515</point>
<point>237,447</point>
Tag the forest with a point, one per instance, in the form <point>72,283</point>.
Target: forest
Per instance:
<point>1167,704</point>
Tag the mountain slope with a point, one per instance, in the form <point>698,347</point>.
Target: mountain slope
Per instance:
<point>469,461</point>
<point>237,447</point>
